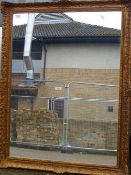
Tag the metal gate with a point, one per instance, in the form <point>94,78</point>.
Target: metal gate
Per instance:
<point>78,116</point>
<point>90,117</point>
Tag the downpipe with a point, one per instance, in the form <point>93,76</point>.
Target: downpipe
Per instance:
<point>27,47</point>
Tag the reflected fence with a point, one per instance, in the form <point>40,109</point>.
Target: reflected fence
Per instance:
<point>72,117</point>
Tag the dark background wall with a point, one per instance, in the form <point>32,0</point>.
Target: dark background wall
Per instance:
<point>11,171</point>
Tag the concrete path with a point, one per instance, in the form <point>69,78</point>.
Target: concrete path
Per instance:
<point>67,157</point>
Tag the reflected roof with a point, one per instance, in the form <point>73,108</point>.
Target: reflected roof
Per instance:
<point>52,18</point>
<point>56,26</point>
<point>72,29</point>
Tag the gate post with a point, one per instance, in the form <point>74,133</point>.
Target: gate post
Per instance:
<point>65,119</point>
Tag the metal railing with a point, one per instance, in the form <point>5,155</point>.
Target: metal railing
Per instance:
<point>64,143</point>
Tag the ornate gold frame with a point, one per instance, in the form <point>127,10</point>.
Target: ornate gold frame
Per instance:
<point>8,9</point>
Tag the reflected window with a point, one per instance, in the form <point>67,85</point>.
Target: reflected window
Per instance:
<point>110,108</point>
<point>14,102</point>
<point>57,106</point>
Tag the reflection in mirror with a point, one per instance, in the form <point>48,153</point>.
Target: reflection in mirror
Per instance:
<point>65,86</point>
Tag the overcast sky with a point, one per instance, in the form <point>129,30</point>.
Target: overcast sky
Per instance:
<point>106,19</point>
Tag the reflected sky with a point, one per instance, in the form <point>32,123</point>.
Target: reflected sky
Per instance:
<point>106,19</point>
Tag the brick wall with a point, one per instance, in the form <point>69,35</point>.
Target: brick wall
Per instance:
<point>36,127</point>
<point>83,110</point>
<point>88,121</point>
<point>93,134</point>
<point>109,76</point>
<point>43,127</point>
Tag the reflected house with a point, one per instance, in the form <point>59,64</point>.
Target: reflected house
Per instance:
<point>66,50</point>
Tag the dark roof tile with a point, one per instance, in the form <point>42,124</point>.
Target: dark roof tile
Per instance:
<point>65,30</point>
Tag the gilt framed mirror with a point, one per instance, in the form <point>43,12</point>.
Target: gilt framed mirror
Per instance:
<point>65,86</point>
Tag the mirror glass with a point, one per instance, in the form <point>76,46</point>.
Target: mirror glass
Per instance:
<point>65,86</point>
